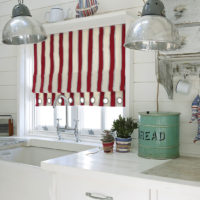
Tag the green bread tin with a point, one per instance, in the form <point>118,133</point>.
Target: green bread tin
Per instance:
<point>158,135</point>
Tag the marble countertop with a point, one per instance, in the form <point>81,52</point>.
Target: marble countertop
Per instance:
<point>92,160</point>
<point>127,165</point>
<point>51,143</point>
<point>11,142</point>
<point>184,168</point>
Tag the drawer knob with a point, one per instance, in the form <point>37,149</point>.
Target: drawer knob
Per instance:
<point>97,196</point>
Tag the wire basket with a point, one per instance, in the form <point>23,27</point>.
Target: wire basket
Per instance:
<point>86,8</point>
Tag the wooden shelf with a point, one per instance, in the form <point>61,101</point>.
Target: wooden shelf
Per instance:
<point>89,22</point>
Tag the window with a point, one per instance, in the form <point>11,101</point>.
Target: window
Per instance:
<point>93,93</point>
<point>92,119</point>
<point>44,117</point>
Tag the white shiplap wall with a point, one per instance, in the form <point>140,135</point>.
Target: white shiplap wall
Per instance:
<point>8,55</point>
<point>143,80</point>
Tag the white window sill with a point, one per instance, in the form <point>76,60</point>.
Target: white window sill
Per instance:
<point>65,136</point>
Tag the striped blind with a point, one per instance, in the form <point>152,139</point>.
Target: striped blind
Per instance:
<point>87,66</point>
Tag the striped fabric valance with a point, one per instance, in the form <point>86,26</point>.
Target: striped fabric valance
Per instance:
<point>87,66</point>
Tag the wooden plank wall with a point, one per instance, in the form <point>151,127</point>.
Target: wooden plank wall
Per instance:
<point>143,81</point>
<point>8,54</point>
<point>190,12</point>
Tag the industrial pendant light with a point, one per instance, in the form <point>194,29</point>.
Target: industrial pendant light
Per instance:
<point>22,28</point>
<point>153,31</point>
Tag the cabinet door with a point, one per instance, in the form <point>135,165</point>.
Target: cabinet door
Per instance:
<point>78,187</point>
<point>178,195</point>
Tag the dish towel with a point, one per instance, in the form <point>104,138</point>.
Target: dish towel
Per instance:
<point>196,115</point>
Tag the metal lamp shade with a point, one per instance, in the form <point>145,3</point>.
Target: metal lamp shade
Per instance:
<point>23,30</point>
<point>153,32</point>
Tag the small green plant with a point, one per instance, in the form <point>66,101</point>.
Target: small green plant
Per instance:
<point>124,127</point>
<point>107,136</point>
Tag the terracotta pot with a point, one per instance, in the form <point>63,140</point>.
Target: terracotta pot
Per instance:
<point>108,147</point>
<point>123,145</point>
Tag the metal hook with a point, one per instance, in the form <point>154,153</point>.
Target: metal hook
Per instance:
<point>20,1</point>
<point>185,75</point>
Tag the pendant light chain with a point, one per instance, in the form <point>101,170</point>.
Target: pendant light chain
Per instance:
<point>20,1</point>
<point>157,96</point>
<point>158,86</point>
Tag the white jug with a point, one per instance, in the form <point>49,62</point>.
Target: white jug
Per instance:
<point>55,15</point>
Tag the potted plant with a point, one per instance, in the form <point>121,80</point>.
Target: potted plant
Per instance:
<point>107,141</point>
<point>124,128</point>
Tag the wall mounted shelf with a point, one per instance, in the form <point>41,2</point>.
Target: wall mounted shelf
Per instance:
<point>89,22</point>
<point>168,66</point>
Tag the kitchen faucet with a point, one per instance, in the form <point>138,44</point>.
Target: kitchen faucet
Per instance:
<point>56,120</point>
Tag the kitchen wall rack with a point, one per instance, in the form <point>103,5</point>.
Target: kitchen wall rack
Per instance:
<point>168,66</point>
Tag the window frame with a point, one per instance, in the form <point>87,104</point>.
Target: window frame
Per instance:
<point>97,132</point>
<point>77,113</point>
<point>29,109</point>
<point>25,114</point>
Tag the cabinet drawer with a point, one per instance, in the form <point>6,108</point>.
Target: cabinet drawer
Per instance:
<point>80,187</point>
<point>178,195</point>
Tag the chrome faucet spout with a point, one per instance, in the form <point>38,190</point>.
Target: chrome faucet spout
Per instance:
<point>55,104</point>
<point>59,97</point>
<point>56,121</point>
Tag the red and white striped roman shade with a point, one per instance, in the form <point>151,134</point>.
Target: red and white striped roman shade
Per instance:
<point>87,66</point>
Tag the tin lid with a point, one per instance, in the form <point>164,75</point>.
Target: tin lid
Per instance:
<point>148,113</point>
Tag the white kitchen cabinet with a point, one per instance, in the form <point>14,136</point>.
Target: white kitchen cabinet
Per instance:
<point>177,195</point>
<point>75,187</point>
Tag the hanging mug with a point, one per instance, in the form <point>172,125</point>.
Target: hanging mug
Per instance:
<point>183,87</point>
